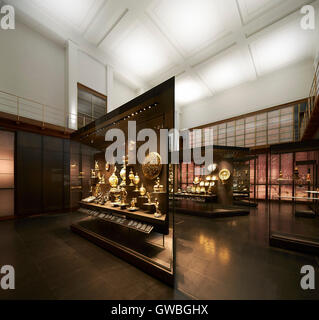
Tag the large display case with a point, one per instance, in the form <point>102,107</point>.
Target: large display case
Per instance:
<point>294,185</point>
<point>126,204</point>
<point>222,191</point>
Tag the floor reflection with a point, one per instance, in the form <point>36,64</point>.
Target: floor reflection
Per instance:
<point>230,259</point>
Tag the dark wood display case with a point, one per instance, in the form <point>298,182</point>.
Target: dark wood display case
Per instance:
<point>139,236</point>
<point>220,201</point>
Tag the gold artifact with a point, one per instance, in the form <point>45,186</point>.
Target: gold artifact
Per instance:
<point>224,175</point>
<point>196,180</point>
<point>280,175</point>
<point>202,190</point>
<point>96,165</point>
<point>149,199</point>
<point>133,205</point>
<point>152,165</point>
<point>117,196</point>
<point>123,197</point>
<point>158,187</point>
<point>131,177</point>
<point>107,166</point>
<point>207,184</point>
<point>142,190</point>
<point>123,173</point>
<point>198,189</point>
<point>212,167</point>
<point>193,189</point>
<point>93,173</point>
<point>113,180</point>
<point>102,180</point>
<point>202,184</point>
<point>308,177</point>
<point>136,182</point>
<point>157,213</point>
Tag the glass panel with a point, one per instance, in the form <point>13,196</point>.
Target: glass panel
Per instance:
<point>90,107</point>
<point>292,220</point>
<point>6,173</point>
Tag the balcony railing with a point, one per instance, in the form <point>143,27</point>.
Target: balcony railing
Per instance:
<point>30,109</point>
<point>309,121</point>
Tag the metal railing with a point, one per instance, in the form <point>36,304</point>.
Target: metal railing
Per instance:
<point>312,102</point>
<point>31,109</point>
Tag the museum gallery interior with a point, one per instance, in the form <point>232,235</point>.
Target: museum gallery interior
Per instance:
<point>238,82</point>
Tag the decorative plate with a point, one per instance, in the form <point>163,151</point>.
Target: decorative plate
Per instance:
<point>224,174</point>
<point>152,166</point>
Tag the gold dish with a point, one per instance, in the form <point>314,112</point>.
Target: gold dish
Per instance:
<point>224,175</point>
<point>152,166</point>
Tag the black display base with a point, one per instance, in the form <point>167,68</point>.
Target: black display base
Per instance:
<point>305,214</point>
<point>125,254</point>
<point>209,210</point>
<point>245,203</point>
<point>295,244</point>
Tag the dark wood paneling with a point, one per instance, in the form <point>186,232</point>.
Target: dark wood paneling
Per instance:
<point>66,173</point>
<point>42,174</point>
<point>29,173</point>
<point>53,174</point>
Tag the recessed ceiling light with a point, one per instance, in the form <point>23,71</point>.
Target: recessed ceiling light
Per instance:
<point>279,48</point>
<point>188,90</point>
<point>227,70</point>
<point>192,23</point>
<point>140,51</point>
<point>72,11</point>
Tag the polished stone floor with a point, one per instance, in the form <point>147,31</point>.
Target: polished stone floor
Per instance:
<point>223,258</point>
<point>229,258</point>
<point>51,262</point>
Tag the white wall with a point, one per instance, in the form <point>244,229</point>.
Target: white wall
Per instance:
<point>91,73</point>
<point>33,67</point>
<point>283,86</point>
<point>121,93</point>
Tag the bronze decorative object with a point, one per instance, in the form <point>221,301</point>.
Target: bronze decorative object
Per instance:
<point>158,187</point>
<point>123,198</point>
<point>133,205</point>
<point>142,190</point>
<point>113,180</point>
<point>123,173</point>
<point>136,182</point>
<point>131,177</point>
<point>157,213</point>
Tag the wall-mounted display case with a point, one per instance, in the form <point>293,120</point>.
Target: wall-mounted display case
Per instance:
<point>294,180</point>
<point>126,204</point>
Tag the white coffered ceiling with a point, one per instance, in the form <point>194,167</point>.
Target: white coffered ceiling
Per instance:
<point>209,45</point>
